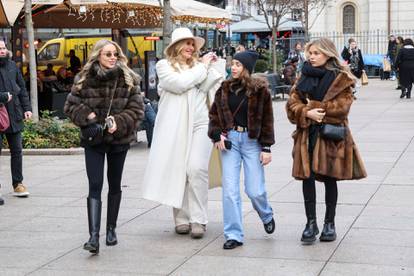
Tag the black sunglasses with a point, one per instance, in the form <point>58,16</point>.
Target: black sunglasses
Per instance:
<point>110,54</point>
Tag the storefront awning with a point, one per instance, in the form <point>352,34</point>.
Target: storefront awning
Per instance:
<point>183,10</point>
<point>258,24</point>
<point>9,10</point>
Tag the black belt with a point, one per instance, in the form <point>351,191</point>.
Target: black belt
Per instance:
<point>240,128</point>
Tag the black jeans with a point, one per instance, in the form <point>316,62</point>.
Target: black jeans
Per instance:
<point>16,161</point>
<point>95,160</point>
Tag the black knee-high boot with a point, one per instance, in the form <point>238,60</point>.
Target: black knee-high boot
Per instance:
<point>114,201</point>
<point>311,228</point>
<point>94,221</point>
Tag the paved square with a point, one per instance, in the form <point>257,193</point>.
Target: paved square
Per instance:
<point>44,234</point>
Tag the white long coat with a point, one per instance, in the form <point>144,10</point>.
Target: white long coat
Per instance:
<point>165,175</point>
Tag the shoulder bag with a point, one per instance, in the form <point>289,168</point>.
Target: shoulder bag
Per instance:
<point>332,132</point>
<point>4,118</point>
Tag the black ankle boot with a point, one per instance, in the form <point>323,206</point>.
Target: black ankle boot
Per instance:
<point>409,94</point>
<point>114,202</point>
<point>311,229</point>
<point>328,233</point>
<point>94,221</point>
<point>402,93</point>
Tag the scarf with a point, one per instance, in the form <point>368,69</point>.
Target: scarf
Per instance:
<point>315,81</point>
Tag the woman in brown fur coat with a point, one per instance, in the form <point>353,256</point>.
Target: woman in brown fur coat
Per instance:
<point>322,95</point>
<point>242,117</point>
<point>105,83</point>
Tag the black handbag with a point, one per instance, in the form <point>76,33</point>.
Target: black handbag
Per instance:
<point>332,132</point>
<point>92,134</point>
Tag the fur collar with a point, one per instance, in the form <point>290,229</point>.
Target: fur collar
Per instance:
<point>341,82</point>
<point>259,83</point>
<point>102,74</point>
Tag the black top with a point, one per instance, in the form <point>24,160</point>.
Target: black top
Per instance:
<point>240,118</point>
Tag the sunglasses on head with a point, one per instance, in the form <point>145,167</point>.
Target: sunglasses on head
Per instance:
<point>110,54</point>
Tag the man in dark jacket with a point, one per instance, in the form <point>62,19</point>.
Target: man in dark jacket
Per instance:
<point>14,96</point>
<point>75,64</point>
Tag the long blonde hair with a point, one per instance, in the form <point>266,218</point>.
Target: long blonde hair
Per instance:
<point>130,76</point>
<point>327,47</point>
<point>173,55</point>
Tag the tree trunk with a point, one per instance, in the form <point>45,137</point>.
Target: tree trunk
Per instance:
<point>167,24</point>
<point>32,58</point>
<point>274,56</point>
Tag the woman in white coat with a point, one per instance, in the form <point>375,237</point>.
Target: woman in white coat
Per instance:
<point>177,169</point>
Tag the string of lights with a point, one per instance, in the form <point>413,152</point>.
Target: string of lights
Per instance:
<point>137,15</point>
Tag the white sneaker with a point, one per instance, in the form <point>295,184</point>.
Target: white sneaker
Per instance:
<point>21,191</point>
<point>393,78</point>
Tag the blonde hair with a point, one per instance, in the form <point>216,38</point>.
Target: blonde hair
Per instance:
<point>327,47</point>
<point>173,54</point>
<point>129,75</point>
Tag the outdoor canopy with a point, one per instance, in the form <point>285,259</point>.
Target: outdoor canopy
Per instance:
<point>9,10</point>
<point>65,13</point>
<point>258,24</point>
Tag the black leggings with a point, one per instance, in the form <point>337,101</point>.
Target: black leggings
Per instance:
<point>95,160</point>
<point>331,190</point>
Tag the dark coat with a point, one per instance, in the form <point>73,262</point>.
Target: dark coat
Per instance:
<point>405,65</point>
<point>339,160</point>
<point>357,69</point>
<point>11,80</point>
<point>289,74</point>
<point>95,95</point>
<point>259,117</point>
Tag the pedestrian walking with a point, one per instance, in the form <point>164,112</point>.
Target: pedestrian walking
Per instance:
<point>297,53</point>
<point>14,97</point>
<point>177,169</point>
<point>392,54</point>
<point>323,149</point>
<point>105,102</point>
<point>241,126</point>
<point>353,57</point>
<point>290,71</point>
<point>400,45</point>
<point>405,66</point>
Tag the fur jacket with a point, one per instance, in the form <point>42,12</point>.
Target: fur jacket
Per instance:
<point>340,160</point>
<point>259,117</point>
<point>95,96</point>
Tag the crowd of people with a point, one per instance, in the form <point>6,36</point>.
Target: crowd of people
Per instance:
<point>202,111</point>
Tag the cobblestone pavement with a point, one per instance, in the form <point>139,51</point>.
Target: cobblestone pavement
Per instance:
<point>43,234</point>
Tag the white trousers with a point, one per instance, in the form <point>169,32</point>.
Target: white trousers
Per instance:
<point>194,208</point>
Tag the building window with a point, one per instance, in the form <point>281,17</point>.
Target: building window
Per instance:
<point>349,19</point>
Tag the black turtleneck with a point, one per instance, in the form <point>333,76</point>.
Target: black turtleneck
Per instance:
<point>240,118</point>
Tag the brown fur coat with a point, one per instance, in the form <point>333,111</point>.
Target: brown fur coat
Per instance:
<point>259,117</point>
<point>95,95</point>
<point>340,160</point>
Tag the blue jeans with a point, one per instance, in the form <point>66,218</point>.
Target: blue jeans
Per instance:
<point>247,151</point>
